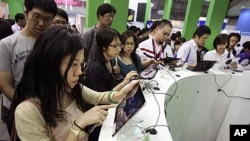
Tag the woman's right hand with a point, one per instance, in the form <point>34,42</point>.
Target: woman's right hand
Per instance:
<point>95,115</point>
<point>126,90</point>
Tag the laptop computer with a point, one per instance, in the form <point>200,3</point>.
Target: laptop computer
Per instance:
<point>202,66</point>
<point>127,108</point>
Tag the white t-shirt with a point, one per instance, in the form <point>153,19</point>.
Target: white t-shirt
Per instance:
<point>146,50</point>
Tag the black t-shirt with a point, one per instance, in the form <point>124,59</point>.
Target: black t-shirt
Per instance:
<point>98,77</point>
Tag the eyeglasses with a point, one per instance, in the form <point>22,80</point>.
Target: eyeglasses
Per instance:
<point>117,46</point>
<point>60,23</point>
<point>111,17</point>
<point>37,17</point>
<point>131,44</point>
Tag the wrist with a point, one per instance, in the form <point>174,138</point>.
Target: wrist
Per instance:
<point>77,132</point>
<point>111,97</point>
<point>78,126</point>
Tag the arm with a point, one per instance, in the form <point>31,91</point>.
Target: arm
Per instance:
<point>30,124</point>
<point>6,78</point>
<point>7,84</point>
<point>182,53</point>
<point>95,97</point>
<point>29,115</point>
<point>125,81</point>
<point>147,62</point>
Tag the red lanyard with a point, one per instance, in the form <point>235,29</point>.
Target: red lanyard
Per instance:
<point>157,56</point>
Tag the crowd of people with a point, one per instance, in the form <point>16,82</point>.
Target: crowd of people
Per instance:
<point>57,82</point>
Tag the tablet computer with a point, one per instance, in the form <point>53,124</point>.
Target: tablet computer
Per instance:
<point>127,108</point>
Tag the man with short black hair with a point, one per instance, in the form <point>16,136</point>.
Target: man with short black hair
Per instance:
<point>15,48</point>
<point>20,22</point>
<point>188,52</point>
<point>105,15</point>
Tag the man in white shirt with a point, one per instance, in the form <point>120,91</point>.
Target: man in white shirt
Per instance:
<point>20,22</point>
<point>188,51</point>
<point>155,49</point>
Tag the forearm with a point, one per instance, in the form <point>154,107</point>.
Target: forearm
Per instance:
<point>7,85</point>
<point>146,63</point>
<point>8,91</point>
<point>120,85</point>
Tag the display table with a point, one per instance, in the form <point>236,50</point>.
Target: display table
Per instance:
<point>204,105</point>
<point>146,117</point>
<point>200,108</point>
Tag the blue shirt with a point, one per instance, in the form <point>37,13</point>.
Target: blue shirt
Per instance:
<point>126,68</point>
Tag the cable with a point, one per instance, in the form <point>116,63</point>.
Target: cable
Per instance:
<point>221,90</point>
<point>233,96</point>
<point>149,89</point>
<point>171,96</point>
<point>220,87</point>
<point>147,84</point>
<point>159,108</point>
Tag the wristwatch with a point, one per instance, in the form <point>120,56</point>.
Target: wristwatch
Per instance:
<point>78,133</point>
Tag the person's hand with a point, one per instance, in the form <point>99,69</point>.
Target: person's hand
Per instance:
<point>234,64</point>
<point>126,90</point>
<point>95,115</point>
<point>192,65</point>
<point>116,69</point>
<point>129,76</point>
<point>158,62</point>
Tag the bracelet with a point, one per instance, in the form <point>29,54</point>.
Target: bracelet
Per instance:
<point>78,133</point>
<point>110,96</point>
<point>82,129</point>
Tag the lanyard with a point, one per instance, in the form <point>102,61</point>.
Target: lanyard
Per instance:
<point>157,56</point>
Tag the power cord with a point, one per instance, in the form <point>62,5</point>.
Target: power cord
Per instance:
<point>147,87</point>
<point>221,90</point>
<point>149,129</point>
<point>171,96</point>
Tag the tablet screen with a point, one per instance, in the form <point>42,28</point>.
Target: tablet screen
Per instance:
<point>128,107</point>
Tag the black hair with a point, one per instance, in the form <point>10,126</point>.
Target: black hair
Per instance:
<point>246,45</point>
<point>234,34</point>
<point>220,39</point>
<point>46,5</point>
<point>173,36</point>
<point>124,36</point>
<point>41,75</point>
<point>60,12</point>
<point>201,30</point>
<point>178,42</point>
<point>183,39</point>
<point>104,38</point>
<point>165,22</point>
<point>105,8</point>
<point>144,30</point>
<point>133,28</point>
<point>5,28</point>
<point>19,16</point>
